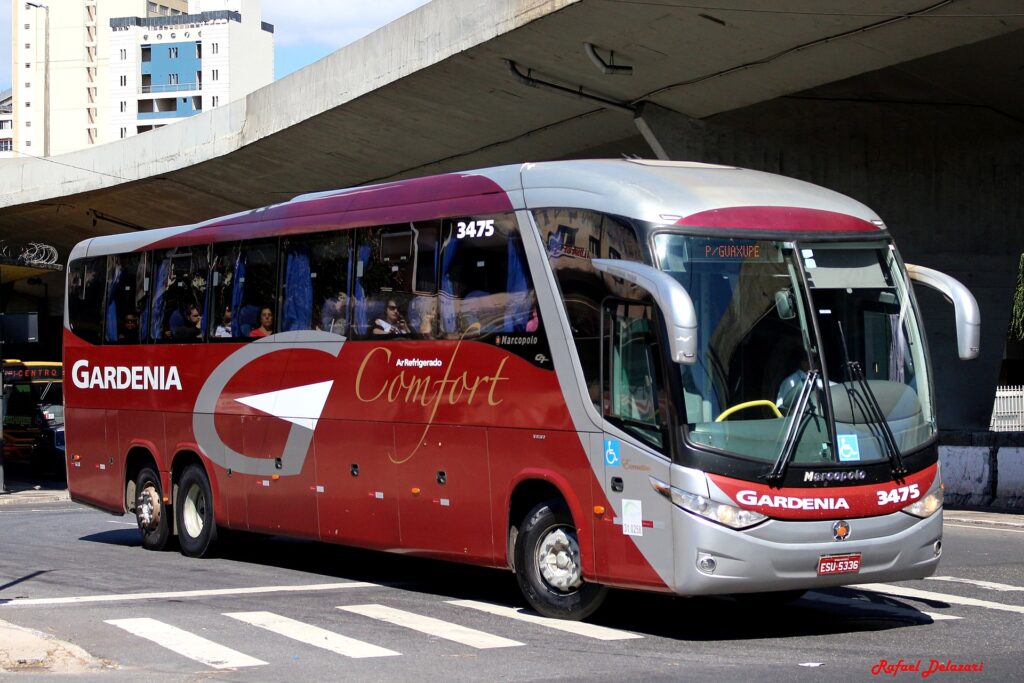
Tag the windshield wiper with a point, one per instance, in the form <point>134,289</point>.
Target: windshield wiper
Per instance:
<point>796,425</point>
<point>866,400</point>
<point>869,405</point>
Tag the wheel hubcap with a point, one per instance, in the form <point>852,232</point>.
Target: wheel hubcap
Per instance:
<point>147,508</point>
<point>194,511</point>
<point>558,558</point>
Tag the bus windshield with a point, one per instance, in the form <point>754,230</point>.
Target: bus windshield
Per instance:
<point>811,351</point>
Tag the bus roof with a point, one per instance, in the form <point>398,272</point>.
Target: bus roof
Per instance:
<point>682,193</point>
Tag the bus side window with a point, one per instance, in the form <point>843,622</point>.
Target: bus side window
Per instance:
<point>632,371</point>
<point>180,303</point>
<point>316,274</point>
<point>573,238</point>
<point>127,310</point>
<point>485,284</point>
<point>85,298</point>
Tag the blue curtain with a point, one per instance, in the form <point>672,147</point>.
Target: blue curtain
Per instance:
<point>112,317</point>
<point>362,321</point>
<point>517,310</point>
<point>298,291</point>
<point>140,299</point>
<point>448,323</point>
<point>237,288</point>
<point>160,282</point>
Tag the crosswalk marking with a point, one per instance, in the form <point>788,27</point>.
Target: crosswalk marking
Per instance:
<point>578,627</point>
<point>204,593</point>
<point>431,626</point>
<point>311,635</point>
<point>904,592</point>
<point>988,585</point>
<point>186,644</point>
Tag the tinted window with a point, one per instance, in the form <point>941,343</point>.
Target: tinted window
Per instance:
<point>86,278</point>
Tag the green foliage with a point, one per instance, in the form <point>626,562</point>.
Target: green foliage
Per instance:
<point>1017,314</point>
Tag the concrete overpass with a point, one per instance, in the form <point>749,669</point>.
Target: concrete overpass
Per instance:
<point>915,107</point>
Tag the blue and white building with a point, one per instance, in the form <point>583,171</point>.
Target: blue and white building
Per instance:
<point>166,68</point>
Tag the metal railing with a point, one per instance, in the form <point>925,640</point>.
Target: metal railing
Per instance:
<point>1008,411</point>
<point>170,87</point>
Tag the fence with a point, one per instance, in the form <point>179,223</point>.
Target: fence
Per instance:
<point>1008,412</point>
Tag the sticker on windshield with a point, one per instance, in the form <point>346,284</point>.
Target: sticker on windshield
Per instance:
<point>632,518</point>
<point>611,453</point>
<point>849,449</point>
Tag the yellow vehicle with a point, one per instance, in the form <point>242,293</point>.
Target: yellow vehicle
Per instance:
<point>34,414</point>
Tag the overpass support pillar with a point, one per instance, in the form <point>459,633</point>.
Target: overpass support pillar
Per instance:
<point>675,136</point>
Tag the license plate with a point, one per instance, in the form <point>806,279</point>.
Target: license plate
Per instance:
<point>839,564</point>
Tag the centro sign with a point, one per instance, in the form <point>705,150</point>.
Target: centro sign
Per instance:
<point>301,433</point>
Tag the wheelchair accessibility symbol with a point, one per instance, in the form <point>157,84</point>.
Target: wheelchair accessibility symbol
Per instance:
<point>849,449</point>
<point>611,453</point>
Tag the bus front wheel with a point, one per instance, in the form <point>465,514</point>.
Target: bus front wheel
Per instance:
<point>548,567</point>
<point>150,512</point>
<point>197,532</point>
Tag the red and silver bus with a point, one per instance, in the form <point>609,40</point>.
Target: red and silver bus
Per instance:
<point>663,376</point>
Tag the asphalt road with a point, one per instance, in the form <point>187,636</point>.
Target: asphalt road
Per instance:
<point>272,609</point>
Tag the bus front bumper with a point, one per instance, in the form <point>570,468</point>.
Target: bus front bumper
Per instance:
<point>782,555</point>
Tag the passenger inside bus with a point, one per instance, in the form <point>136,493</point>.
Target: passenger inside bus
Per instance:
<point>334,314</point>
<point>187,327</point>
<point>129,333</point>
<point>392,322</point>
<point>266,327</point>
<point>223,329</point>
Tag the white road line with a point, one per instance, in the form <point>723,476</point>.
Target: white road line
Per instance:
<point>982,527</point>
<point>988,585</point>
<point>904,592</point>
<point>312,635</point>
<point>940,617</point>
<point>186,644</point>
<point>16,602</point>
<point>134,524</point>
<point>431,626</point>
<point>578,627</point>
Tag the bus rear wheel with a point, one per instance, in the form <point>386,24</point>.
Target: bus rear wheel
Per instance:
<point>197,531</point>
<point>548,567</point>
<point>150,512</point>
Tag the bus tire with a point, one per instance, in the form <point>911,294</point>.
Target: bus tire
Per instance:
<point>197,530</point>
<point>548,567</point>
<point>150,512</point>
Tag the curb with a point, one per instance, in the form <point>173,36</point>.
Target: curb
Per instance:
<point>24,650</point>
<point>31,497</point>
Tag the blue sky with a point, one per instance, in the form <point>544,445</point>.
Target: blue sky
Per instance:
<point>304,30</point>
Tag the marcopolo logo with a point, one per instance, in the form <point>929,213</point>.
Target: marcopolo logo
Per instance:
<point>139,377</point>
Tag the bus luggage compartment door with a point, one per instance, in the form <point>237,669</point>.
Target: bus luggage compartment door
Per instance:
<point>444,491</point>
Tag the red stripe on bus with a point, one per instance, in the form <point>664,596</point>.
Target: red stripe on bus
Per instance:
<point>409,200</point>
<point>778,218</point>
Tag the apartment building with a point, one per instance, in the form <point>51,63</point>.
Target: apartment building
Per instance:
<point>86,72</point>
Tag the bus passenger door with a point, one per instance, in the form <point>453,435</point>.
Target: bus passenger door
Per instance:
<point>444,504</point>
<point>357,496</point>
<point>635,545</point>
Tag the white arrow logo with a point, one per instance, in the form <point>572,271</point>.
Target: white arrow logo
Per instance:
<point>298,405</point>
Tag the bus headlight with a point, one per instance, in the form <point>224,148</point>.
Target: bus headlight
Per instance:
<point>729,515</point>
<point>927,506</point>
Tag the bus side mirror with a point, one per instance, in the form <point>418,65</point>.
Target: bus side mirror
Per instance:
<point>670,296</point>
<point>965,307</point>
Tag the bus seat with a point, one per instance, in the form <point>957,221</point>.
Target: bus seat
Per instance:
<point>248,316</point>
